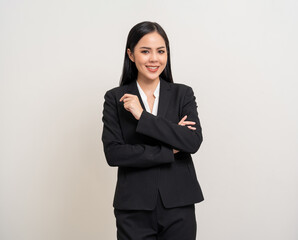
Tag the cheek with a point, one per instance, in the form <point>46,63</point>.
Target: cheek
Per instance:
<point>140,66</point>
<point>164,60</point>
<point>164,57</point>
<point>140,59</point>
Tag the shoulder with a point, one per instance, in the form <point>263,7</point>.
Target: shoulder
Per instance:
<point>184,92</point>
<point>181,88</point>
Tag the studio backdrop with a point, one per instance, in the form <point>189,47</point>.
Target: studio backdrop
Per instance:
<point>57,60</point>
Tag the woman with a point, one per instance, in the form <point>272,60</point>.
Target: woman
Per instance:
<point>151,127</point>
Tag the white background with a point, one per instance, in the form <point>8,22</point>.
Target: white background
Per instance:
<point>58,58</point>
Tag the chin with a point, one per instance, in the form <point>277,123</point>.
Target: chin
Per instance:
<point>155,75</point>
<point>150,76</point>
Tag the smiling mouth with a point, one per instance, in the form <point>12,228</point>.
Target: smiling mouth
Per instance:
<point>152,69</point>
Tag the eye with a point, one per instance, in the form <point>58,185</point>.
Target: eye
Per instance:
<point>161,51</point>
<point>145,51</point>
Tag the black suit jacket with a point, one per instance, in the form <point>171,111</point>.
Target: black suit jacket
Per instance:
<point>143,149</point>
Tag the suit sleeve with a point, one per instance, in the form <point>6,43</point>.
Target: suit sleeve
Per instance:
<point>120,154</point>
<point>178,137</point>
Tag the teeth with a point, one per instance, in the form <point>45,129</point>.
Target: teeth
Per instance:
<point>152,67</point>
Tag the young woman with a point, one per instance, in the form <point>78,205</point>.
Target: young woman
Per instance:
<point>151,128</point>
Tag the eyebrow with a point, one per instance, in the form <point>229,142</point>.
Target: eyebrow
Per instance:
<point>150,48</point>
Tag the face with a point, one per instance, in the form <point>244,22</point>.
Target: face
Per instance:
<point>150,56</point>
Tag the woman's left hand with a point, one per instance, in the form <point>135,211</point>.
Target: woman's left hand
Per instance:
<point>132,104</point>
<point>183,123</point>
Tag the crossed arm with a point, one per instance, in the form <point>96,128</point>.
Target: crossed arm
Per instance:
<point>174,136</point>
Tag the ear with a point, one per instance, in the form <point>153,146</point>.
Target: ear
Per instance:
<point>130,55</point>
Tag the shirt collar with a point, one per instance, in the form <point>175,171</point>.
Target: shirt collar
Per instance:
<point>156,92</point>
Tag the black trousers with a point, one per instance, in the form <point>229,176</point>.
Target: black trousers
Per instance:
<point>159,224</point>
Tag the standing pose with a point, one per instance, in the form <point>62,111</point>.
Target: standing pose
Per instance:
<point>151,128</point>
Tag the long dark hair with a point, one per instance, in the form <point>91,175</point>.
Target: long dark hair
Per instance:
<point>130,71</point>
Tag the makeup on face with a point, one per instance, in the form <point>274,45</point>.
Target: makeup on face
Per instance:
<point>150,56</point>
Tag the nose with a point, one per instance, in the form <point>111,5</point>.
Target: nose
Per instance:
<point>153,57</point>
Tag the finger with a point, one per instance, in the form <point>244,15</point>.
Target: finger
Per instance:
<point>183,119</point>
<point>123,97</point>
<point>192,128</point>
<point>126,107</point>
<point>189,122</point>
<point>126,95</point>
<point>126,99</point>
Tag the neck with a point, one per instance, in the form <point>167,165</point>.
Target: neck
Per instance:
<point>148,84</point>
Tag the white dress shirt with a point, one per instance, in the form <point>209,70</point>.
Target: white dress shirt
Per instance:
<point>144,99</point>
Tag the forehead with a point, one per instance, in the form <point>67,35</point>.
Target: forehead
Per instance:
<point>153,39</point>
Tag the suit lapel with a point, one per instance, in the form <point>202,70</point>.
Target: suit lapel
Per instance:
<point>164,95</point>
<point>133,89</point>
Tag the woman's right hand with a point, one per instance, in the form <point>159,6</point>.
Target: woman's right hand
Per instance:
<point>183,123</point>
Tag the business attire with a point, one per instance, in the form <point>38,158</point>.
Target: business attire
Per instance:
<point>155,187</point>
<point>144,98</point>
